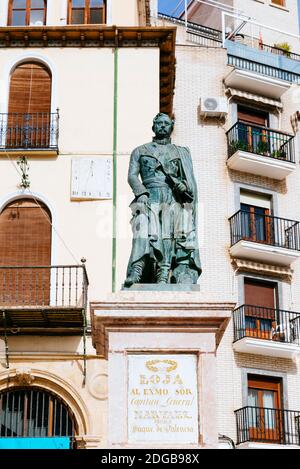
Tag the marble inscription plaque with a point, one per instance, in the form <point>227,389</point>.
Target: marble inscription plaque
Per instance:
<point>162,399</point>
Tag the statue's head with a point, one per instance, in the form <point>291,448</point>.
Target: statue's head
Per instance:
<point>162,125</point>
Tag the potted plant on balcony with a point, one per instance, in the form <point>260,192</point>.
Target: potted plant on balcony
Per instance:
<point>236,145</point>
<point>283,48</point>
<point>262,148</point>
<point>279,154</point>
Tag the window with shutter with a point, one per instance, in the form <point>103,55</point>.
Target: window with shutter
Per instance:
<point>30,89</point>
<point>260,308</point>
<point>25,243</point>
<point>252,129</point>
<point>29,109</point>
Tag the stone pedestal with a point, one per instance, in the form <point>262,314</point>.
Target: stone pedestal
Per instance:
<point>161,351</point>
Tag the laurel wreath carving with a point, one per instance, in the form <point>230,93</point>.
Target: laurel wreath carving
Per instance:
<point>152,365</point>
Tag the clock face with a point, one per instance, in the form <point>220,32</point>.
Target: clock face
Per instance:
<point>91,178</point>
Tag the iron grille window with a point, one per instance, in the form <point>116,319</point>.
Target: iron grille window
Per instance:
<point>34,413</point>
<point>86,12</point>
<point>27,12</point>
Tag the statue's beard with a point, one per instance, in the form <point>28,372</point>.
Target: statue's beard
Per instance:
<point>163,135</point>
<point>162,140</point>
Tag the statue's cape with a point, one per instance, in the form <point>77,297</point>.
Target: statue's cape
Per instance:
<point>187,166</point>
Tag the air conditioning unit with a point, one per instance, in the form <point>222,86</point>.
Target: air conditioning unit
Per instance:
<point>213,107</point>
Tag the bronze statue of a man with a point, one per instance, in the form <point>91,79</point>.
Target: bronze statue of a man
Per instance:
<point>165,245</point>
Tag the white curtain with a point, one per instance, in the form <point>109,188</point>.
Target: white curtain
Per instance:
<point>270,415</point>
<point>253,402</point>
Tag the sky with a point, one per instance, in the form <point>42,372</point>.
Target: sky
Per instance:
<point>168,6</point>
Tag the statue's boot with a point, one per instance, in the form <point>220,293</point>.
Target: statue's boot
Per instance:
<point>136,273</point>
<point>163,274</point>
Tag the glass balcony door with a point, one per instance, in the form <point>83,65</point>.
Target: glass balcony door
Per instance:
<point>265,413</point>
<point>256,224</point>
<point>251,131</point>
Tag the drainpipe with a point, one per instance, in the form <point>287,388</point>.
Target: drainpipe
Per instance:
<point>115,141</point>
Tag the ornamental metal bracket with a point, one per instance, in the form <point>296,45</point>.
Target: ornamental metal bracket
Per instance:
<point>24,167</point>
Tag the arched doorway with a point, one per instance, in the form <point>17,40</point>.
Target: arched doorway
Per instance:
<point>29,108</point>
<point>25,243</point>
<point>35,413</point>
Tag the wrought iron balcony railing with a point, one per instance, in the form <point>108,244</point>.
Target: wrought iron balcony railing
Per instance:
<point>43,286</point>
<point>261,141</point>
<point>263,69</point>
<point>266,323</point>
<point>265,229</point>
<point>31,131</point>
<point>267,425</point>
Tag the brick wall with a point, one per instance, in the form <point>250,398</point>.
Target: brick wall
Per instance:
<point>200,73</point>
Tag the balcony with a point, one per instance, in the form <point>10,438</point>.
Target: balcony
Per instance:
<point>256,43</point>
<point>258,427</point>
<point>256,78</point>
<point>43,299</point>
<point>264,238</point>
<point>29,134</point>
<point>261,71</point>
<point>197,33</point>
<point>259,150</point>
<point>266,331</point>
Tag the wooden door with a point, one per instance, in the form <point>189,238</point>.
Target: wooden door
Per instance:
<point>29,110</point>
<point>265,409</point>
<point>261,302</point>
<point>25,243</point>
<point>254,134</point>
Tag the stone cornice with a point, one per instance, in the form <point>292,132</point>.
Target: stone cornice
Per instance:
<point>183,307</point>
<point>103,36</point>
<point>139,316</point>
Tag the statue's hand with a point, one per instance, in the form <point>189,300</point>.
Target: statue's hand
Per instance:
<point>180,187</point>
<point>143,199</point>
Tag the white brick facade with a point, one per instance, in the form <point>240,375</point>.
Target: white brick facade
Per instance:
<point>200,72</point>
